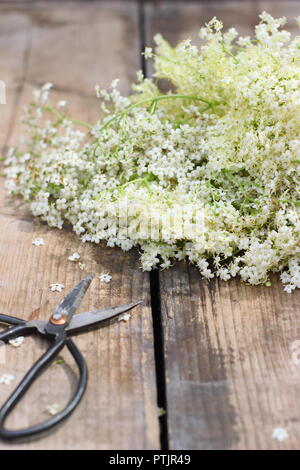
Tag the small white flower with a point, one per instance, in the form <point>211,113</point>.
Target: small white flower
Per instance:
<point>148,53</point>
<point>6,379</point>
<point>17,342</point>
<point>52,409</point>
<point>125,317</point>
<point>105,278</point>
<point>139,76</point>
<point>81,266</point>
<point>56,287</point>
<point>61,104</point>
<point>280,434</point>
<point>38,242</point>
<point>47,86</point>
<point>74,257</point>
<point>36,94</point>
<point>161,411</point>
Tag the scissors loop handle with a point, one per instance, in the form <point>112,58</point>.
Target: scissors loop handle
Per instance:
<point>7,319</point>
<point>15,331</point>
<point>59,342</point>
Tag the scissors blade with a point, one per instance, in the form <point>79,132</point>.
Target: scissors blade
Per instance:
<point>73,299</point>
<point>84,319</point>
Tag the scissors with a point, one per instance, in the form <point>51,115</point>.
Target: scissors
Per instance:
<point>61,324</point>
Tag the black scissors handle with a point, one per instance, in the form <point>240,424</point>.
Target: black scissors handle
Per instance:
<point>11,320</point>
<point>57,344</point>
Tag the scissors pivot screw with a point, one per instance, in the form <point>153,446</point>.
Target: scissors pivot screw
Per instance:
<point>58,319</point>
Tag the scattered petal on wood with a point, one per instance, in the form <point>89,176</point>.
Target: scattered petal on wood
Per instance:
<point>105,278</point>
<point>57,287</point>
<point>38,242</point>
<point>280,434</point>
<point>52,409</point>
<point>125,317</point>
<point>74,257</point>
<point>6,379</point>
<point>17,342</point>
<point>61,103</point>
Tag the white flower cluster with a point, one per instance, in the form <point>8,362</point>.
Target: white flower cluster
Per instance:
<point>208,171</point>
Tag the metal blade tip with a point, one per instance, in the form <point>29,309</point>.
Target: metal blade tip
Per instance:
<point>84,319</point>
<point>130,306</point>
<point>134,304</point>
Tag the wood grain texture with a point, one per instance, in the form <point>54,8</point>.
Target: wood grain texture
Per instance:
<point>74,46</point>
<point>230,373</point>
<point>230,377</point>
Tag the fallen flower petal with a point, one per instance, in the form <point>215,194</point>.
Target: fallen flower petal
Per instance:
<point>52,410</point>
<point>38,242</point>
<point>57,287</point>
<point>74,257</point>
<point>17,342</point>
<point>6,379</point>
<point>125,317</point>
<point>105,278</point>
<point>280,434</point>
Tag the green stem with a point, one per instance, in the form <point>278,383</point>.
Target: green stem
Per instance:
<point>62,117</point>
<point>81,123</point>
<point>137,180</point>
<point>152,101</point>
<point>229,53</point>
<point>153,107</point>
<point>289,201</point>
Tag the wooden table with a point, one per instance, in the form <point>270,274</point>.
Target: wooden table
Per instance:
<point>216,355</point>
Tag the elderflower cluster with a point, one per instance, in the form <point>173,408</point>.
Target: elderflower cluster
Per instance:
<point>208,171</point>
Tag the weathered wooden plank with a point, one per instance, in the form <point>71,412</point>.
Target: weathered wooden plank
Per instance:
<point>75,46</point>
<point>13,58</point>
<point>230,377</point>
